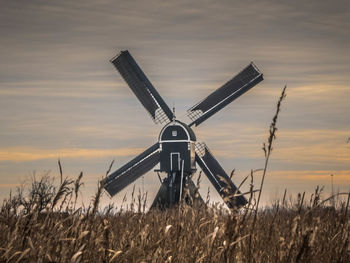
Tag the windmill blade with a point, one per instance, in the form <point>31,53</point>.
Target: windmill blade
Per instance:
<point>161,200</point>
<point>241,83</point>
<point>128,173</point>
<point>218,177</point>
<point>142,87</point>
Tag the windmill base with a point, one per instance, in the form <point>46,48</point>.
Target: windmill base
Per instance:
<point>169,194</point>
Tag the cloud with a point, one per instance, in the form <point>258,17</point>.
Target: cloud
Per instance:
<point>319,92</point>
<point>46,89</point>
<point>320,176</point>
<point>21,154</point>
<point>293,145</point>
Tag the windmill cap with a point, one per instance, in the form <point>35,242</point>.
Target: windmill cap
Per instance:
<point>177,130</point>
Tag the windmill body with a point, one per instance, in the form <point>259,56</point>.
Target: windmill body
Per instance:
<point>177,161</point>
<point>177,149</point>
<point>177,145</point>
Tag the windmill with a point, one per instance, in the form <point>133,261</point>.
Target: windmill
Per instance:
<point>177,149</point>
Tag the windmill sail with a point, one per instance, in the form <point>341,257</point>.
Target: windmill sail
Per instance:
<point>218,177</point>
<point>161,200</point>
<point>241,83</point>
<point>128,173</point>
<point>142,87</point>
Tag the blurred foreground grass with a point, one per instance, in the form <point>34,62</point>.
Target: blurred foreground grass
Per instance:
<point>43,224</point>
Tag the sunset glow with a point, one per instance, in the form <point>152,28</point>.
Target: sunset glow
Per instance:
<point>60,97</point>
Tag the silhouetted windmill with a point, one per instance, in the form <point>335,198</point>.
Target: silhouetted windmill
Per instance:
<point>177,149</point>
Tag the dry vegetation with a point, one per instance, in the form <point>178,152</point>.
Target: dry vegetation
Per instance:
<point>37,228</point>
<point>42,223</point>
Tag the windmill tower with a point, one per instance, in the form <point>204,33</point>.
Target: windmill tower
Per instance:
<point>177,149</point>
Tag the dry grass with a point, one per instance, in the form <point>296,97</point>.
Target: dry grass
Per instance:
<point>296,232</point>
<point>41,223</point>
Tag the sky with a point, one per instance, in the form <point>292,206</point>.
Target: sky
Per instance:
<point>60,97</point>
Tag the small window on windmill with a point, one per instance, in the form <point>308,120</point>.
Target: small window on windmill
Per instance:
<point>174,133</point>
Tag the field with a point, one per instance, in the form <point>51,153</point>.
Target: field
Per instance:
<point>36,228</point>
<point>42,223</point>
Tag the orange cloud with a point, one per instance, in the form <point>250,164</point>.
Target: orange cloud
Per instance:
<point>315,90</point>
<point>31,154</point>
<point>322,176</point>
